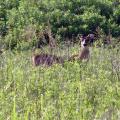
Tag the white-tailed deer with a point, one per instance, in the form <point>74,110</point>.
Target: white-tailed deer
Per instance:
<point>84,53</point>
<point>46,59</point>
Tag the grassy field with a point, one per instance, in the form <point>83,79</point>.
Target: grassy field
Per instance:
<point>77,91</point>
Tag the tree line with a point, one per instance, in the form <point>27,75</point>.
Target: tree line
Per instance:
<point>20,19</point>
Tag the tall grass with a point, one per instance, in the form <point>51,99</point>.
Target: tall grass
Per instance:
<point>76,91</point>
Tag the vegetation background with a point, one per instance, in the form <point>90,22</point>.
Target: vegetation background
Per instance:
<point>77,91</point>
<point>20,19</point>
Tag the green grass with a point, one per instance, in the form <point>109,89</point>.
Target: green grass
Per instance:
<point>77,91</point>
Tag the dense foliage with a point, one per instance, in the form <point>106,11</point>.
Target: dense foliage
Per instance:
<point>20,18</point>
<point>76,91</point>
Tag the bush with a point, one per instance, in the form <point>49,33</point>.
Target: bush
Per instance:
<point>117,15</point>
<point>67,18</point>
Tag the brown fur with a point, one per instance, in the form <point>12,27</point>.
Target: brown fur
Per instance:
<point>83,55</point>
<point>46,59</point>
